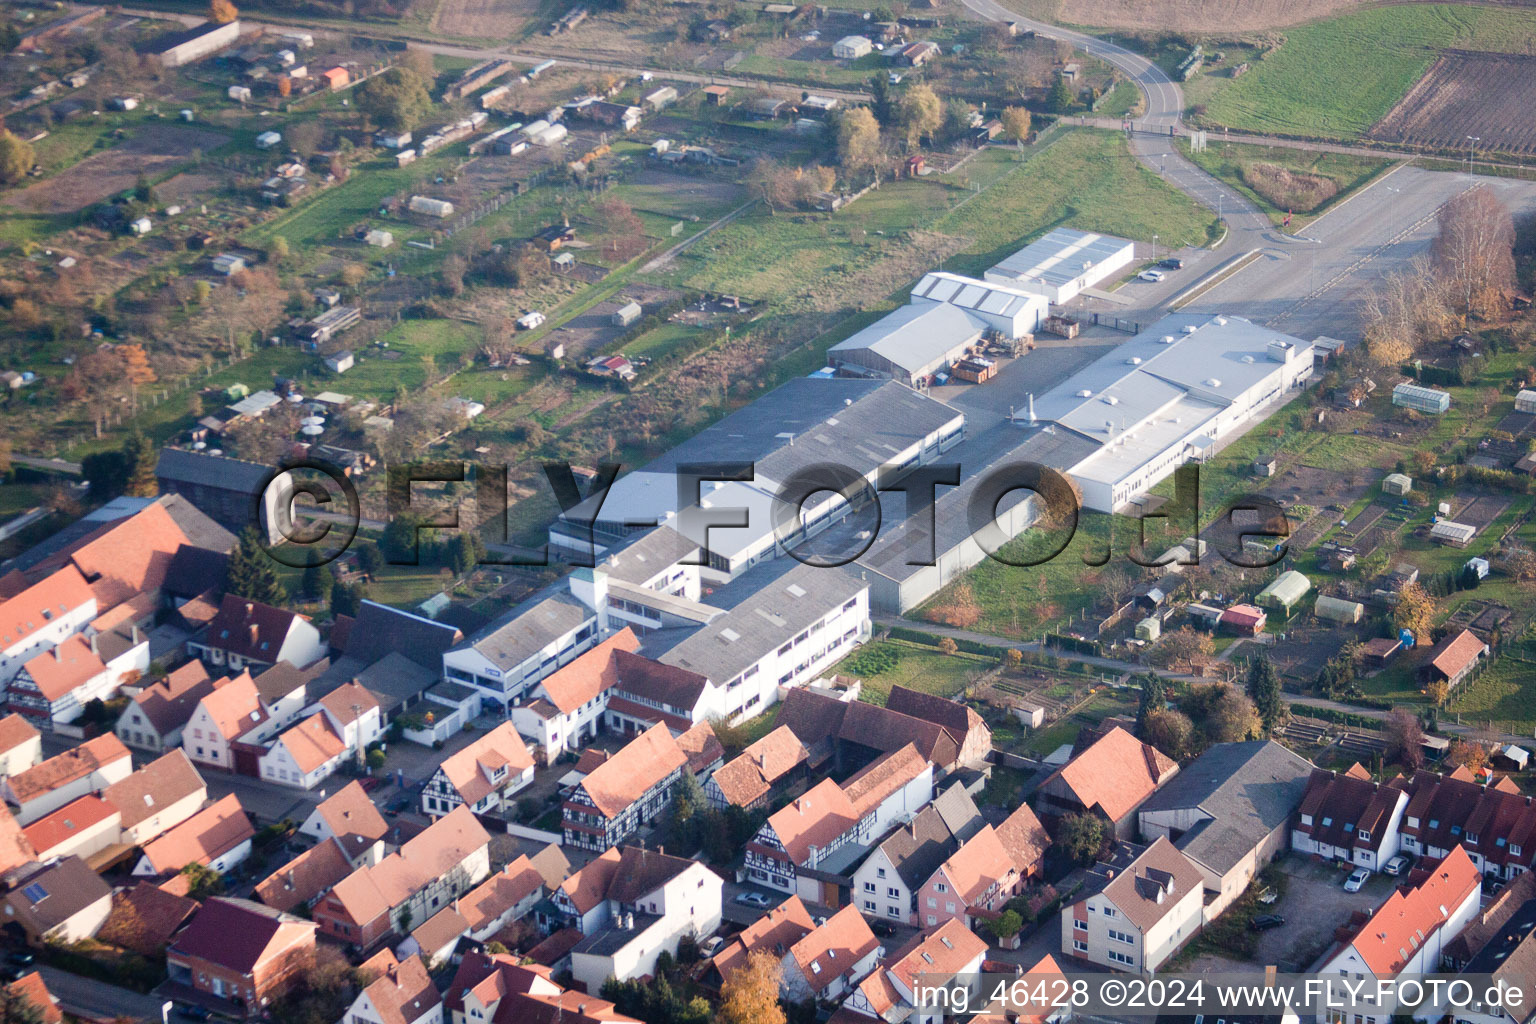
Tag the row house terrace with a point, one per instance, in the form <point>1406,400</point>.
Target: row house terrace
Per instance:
<point>625,792</point>
<point>88,768</point>
<point>255,636</point>
<point>1351,817</point>
<point>1494,824</point>
<point>40,616</point>
<point>976,882</point>
<point>890,993</point>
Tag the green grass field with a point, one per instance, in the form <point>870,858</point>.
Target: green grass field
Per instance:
<point>916,666</point>
<point>1346,171</point>
<point>1337,77</point>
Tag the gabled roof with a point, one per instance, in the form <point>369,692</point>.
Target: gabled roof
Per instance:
<point>353,818</point>
<point>818,719</point>
<point>953,717</point>
<point>833,949</point>
<point>574,685</point>
<point>813,819</point>
<point>944,950</point>
<point>500,893</point>
<point>29,611</point>
<point>1341,805</point>
<point>641,872</point>
<point>524,994</point>
<point>1409,916</point>
<point>169,702</point>
<point>63,825</point>
<point>1455,654</point>
<point>312,743</point>
<point>33,990</point>
<point>208,834</point>
<point>73,764</point>
<point>15,849</point>
<point>145,917</point>
<point>235,708</point>
<point>701,746</point>
<point>379,630</point>
<point>470,769</point>
<point>349,702</point>
<point>16,730</point>
<point>403,991</point>
<point>776,931</point>
<point>877,781</point>
<point>372,891</point>
<point>1115,774</point>
<point>283,678</point>
<point>250,629</point>
<point>750,775</point>
<point>163,782</point>
<point>916,850</point>
<point>1242,791</point>
<point>124,557</point>
<point>588,887</point>
<point>1025,838</point>
<point>1154,883</point>
<point>58,671</point>
<point>669,685</point>
<point>640,764</point>
<point>441,929</point>
<point>980,863</point>
<point>241,935</point>
<point>305,878</point>
<point>50,894</point>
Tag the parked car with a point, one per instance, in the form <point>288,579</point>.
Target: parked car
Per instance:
<point>1264,922</point>
<point>1398,865</point>
<point>753,899</point>
<point>191,1012</point>
<point>1171,263</point>
<point>1356,880</point>
<point>712,945</point>
<point>21,957</point>
<point>1151,275</point>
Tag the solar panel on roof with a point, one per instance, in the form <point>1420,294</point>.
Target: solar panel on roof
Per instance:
<point>35,892</point>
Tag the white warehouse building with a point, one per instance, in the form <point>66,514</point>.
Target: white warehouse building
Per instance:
<point>1012,312</point>
<point>911,344</point>
<point>1063,262</point>
<point>1166,397</point>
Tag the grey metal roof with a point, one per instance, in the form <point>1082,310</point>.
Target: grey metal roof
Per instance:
<point>652,552</point>
<point>971,293</point>
<point>380,630</point>
<point>1059,256</point>
<point>218,471</point>
<point>770,606</point>
<point>524,631</point>
<point>1246,790</point>
<point>914,336</point>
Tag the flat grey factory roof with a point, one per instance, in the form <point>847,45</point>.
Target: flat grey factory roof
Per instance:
<point>1058,256</point>
<point>521,633</point>
<point>914,336</point>
<point>1248,790</point>
<point>1216,361</point>
<point>652,552</point>
<point>771,607</point>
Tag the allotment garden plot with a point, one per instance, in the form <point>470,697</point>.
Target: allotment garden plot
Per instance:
<point>151,151</point>
<point>1466,93</point>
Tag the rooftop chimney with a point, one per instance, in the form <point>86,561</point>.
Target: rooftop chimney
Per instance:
<point>1031,408</point>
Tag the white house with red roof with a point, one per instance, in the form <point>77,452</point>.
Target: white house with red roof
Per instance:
<point>305,755</point>
<point>401,992</point>
<point>249,634</point>
<point>1409,932</point>
<point>218,837</point>
<point>1111,778</point>
<point>564,710</point>
<point>231,714</point>
<point>624,792</point>
<point>1138,917</point>
<point>890,993</point>
<point>21,745</point>
<point>827,962</point>
<point>353,820</point>
<point>88,768</point>
<point>41,616</point>
<point>54,687</point>
<point>483,776</point>
<point>496,989</point>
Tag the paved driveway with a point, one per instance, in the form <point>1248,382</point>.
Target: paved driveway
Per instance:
<point>1315,905</point>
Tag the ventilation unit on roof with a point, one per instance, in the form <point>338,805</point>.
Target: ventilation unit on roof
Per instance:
<point>1213,382</point>
<point>1133,361</point>
<point>1191,328</point>
<point>1085,393</point>
<point>1111,400</point>
<point>1166,339</point>
<point>1222,321</point>
<point>1247,359</point>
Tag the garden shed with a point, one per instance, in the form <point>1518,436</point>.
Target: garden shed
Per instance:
<point>1337,609</point>
<point>1285,590</point>
<point>1396,484</point>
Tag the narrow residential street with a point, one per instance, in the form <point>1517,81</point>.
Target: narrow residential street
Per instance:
<point>87,997</point>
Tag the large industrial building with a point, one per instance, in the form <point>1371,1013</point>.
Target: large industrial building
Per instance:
<point>1063,262</point>
<point>910,345</point>
<point>1011,312</point>
<point>1164,398</point>
<point>862,425</point>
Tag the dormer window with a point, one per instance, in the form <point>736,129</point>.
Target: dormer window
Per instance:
<point>1327,822</point>
<point>1364,834</point>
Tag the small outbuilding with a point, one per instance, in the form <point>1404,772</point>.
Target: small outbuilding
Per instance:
<point>266,140</point>
<point>340,362</point>
<point>1244,620</point>
<point>627,314</point>
<point>1525,401</point>
<point>1479,566</point>
<point>1396,484</point>
<point>1421,399</point>
<point>379,238</point>
<point>852,47</point>
<point>1285,590</point>
<point>1337,609</point>
<point>1149,629</point>
<point>1456,535</point>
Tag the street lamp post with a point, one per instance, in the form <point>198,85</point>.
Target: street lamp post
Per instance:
<point>1472,141</point>
<point>1154,247</point>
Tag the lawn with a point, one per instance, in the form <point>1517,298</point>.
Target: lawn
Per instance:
<point>1230,161</point>
<point>883,664</point>
<point>404,364</point>
<point>1336,77</point>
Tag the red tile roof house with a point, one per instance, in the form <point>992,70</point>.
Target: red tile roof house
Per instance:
<point>640,903</point>
<point>353,820</point>
<point>776,931</point>
<point>496,989</point>
<point>87,768</point>
<point>1494,823</point>
<point>218,837</point>
<point>1453,659</point>
<point>1111,778</point>
<point>21,745</point>
<point>770,764</point>
<point>962,724</point>
<point>81,828</point>
<point>479,914</point>
<point>401,992</point>
<point>407,887</point>
<point>1350,817</point>
<point>54,687</point>
<point>145,918</point>
<point>483,776</point>
<point>886,883</point>
<point>890,993</point>
<point>157,714</point>
<point>42,615</point>
<point>241,953</point>
<point>1244,620</point>
<point>625,792</point>
<point>249,634</point>
<point>798,849</point>
<point>1408,934</point>
<point>157,797</point>
<point>564,710</point>
<point>298,884</point>
<point>832,958</point>
<point>973,885</point>
<point>32,991</point>
<point>227,727</point>
<point>1140,916</point>
<point>305,755</point>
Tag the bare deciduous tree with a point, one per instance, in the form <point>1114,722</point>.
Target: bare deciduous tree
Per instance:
<point>1474,251</point>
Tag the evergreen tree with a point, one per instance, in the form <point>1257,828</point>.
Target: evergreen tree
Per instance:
<point>466,552</point>
<point>139,455</point>
<point>1264,691</point>
<point>317,581</point>
<point>346,599</point>
<point>1061,98</point>
<point>882,106</point>
<point>1154,697</point>
<point>370,559</point>
<point>250,573</point>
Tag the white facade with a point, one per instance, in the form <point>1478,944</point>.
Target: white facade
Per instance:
<point>25,609</point>
<point>687,905</point>
<point>1012,312</point>
<point>1063,263</point>
<point>1392,840</point>
<point>223,863</point>
<point>879,892</point>
<point>1099,932</point>
<point>852,47</point>
<point>505,685</point>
